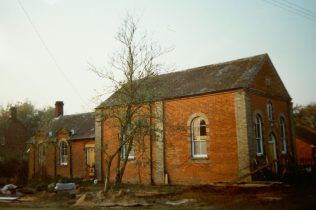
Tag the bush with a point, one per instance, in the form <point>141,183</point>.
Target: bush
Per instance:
<point>14,169</point>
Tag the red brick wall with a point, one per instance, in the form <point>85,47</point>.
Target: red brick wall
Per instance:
<point>304,152</point>
<point>259,97</point>
<point>137,171</point>
<point>280,108</point>
<point>76,166</point>
<point>222,161</point>
<point>265,73</point>
<point>31,162</point>
<point>79,157</point>
<point>50,159</point>
<point>62,170</point>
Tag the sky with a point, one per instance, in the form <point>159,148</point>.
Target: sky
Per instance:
<point>46,46</point>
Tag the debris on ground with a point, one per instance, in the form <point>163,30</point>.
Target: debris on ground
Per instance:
<point>65,186</point>
<point>119,199</point>
<point>255,195</point>
<point>8,198</point>
<point>66,190</point>
<point>180,202</point>
<point>9,189</point>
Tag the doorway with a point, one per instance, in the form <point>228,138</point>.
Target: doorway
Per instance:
<point>272,153</point>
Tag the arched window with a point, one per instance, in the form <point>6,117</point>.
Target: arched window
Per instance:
<point>270,111</point>
<point>259,136</point>
<point>283,135</point>
<point>198,137</point>
<point>63,153</point>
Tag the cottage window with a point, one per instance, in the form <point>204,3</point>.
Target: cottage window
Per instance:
<point>198,137</point>
<point>63,153</point>
<point>259,136</point>
<point>283,135</point>
<point>270,111</point>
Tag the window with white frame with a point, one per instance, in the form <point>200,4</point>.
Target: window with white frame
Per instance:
<point>283,135</point>
<point>270,111</point>
<point>259,136</point>
<point>131,154</point>
<point>198,137</point>
<point>63,153</point>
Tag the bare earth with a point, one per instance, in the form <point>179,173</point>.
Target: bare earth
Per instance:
<point>218,196</point>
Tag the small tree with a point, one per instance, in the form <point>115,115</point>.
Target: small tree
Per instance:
<point>32,118</point>
<point>130,105</point>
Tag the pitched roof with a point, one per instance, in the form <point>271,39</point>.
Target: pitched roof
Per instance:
<point>205,79</point>
<point>308,134</point>
<point>81,124</point>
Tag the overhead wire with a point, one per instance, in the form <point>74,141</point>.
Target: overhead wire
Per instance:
<point>294,8</point>
<point>304,10</point>
<point>50,54</point>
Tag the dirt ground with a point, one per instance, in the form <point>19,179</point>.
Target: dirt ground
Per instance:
<point>267,195</point>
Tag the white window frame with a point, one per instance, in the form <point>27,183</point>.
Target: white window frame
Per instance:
<point>131,155</point>
<point>283,136</point>
<point>199,139</point>
<point>270,111</point>
<point>63,153</point>
<point>259,135</point>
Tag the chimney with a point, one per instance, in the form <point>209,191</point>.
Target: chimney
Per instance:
<point>13,111</point>
<point>59,108</point>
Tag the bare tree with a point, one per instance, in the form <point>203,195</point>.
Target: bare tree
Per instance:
<point>129,107</point>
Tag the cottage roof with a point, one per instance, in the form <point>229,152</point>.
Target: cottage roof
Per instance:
<point>205,79</point>
<point>306,133</point>
<point>82,125</point>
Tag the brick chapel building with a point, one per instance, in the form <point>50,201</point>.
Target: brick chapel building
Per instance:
<point>221,122</point>
<point>66,150</point>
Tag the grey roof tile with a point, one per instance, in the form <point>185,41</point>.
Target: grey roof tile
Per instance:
<point>82,124</point>
<point>201,80</point>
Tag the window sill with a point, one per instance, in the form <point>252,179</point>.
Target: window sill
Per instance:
<point>199,158</point>
<point>131,158</point>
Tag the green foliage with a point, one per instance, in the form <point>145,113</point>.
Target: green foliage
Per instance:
<point>14,168</point>
<point>39,185</point>
<point>32,118</point>
<point>305,115</point>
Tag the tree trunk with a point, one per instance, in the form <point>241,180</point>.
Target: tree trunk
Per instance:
<point>108,174</point>
<point>122,169</point>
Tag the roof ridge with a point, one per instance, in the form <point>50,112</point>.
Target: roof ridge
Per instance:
<point>215,64</point>
<point>77,114</point>
<point>232,74</point>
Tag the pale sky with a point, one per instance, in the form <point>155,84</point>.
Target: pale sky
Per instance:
<point>202,32</point>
